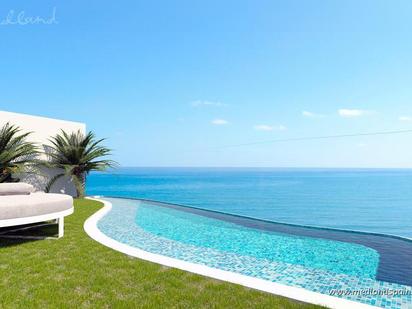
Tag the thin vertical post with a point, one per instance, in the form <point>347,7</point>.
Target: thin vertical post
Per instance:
<point>60,222</point>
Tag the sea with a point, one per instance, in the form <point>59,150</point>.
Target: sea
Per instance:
<point>369,200</point>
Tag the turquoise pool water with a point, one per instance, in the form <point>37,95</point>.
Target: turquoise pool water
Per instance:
<point>258,249</point>
<point>199,231</point>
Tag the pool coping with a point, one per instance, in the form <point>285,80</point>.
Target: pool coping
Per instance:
<point>300,294</point>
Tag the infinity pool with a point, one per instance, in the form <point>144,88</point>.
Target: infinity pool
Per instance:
<point>318,260</point>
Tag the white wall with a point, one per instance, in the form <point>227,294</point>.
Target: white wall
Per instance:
<point>43,128</point>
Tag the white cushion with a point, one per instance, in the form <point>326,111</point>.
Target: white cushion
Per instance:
<point>36,204</point>
<point>16,188</point>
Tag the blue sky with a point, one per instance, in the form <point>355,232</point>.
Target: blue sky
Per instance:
<point>172,83</point>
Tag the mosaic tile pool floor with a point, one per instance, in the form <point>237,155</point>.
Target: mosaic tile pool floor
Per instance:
<point>315,264</point>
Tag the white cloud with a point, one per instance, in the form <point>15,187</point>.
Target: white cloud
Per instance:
<point>265,127</point>
<point>312,115</point>
<point>205,103</point>
<point>405,118</point>
<point>351,113</point>
<point>219,122</point>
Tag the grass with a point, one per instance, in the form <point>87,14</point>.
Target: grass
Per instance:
<point>76,271</point>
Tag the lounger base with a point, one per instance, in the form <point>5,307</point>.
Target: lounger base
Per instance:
<point>58,217</point>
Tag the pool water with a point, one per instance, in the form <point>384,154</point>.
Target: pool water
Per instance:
<point>278,253</point>
<point>199,231</point>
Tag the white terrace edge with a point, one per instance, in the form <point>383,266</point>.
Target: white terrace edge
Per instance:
<point>300,294</point>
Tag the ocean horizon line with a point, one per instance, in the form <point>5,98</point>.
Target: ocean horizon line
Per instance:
<point>262,167</point>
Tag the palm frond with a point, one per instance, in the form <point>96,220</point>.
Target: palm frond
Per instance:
<point>52,181</point>
<point>16,152</point>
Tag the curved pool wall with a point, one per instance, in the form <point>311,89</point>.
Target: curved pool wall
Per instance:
<point>314,259</point>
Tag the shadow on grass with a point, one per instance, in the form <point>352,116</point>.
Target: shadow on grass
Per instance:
<point>18,235</point>
<point>11,242</point>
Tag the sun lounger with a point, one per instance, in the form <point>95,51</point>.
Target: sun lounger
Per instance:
<point>27,208</point>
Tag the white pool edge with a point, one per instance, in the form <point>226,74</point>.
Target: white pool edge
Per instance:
<point>300,294</point>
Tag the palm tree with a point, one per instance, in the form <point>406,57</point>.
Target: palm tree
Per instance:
<point>77,155</point>
<point>17,155</point>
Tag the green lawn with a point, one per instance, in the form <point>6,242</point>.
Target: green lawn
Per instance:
<point>76,271</point>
